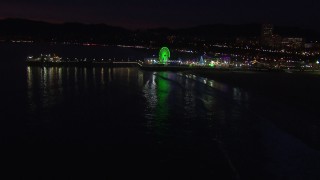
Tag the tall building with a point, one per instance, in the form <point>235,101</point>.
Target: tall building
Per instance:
<point>267,34</point>
<point>267,30</point>
<point>273,40</point>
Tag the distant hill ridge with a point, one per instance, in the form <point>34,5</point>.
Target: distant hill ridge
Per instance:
<point>37,30</point>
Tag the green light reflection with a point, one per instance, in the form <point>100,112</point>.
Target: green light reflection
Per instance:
<point>163,91</point>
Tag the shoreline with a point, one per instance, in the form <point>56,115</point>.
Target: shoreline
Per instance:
<point>298,89</point>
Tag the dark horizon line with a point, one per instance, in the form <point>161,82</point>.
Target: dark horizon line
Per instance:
<point>136,29</point>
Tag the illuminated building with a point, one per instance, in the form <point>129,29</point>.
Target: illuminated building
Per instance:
<point>293,43</point>
<point>219,61</point>
<point>244,41</point>
<point>45,58</point>
<point>151,61</point>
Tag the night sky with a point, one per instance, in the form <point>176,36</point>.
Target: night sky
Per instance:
<point>166,13</point>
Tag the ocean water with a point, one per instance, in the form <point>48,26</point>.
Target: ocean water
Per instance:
<point>116,123</point>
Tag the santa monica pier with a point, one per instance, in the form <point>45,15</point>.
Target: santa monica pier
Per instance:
<point>163,62</point>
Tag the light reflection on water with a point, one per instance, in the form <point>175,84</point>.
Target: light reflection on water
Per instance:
<point>47,85</point>
<point>163,90</point>
<point>186,107</point>
<point>85,78</point>
<point>156,91</point>
<point>167,95</point>
<point>150,93</point>
<point>102,76</point>
<point>171,96</point>
<point>238,95</point>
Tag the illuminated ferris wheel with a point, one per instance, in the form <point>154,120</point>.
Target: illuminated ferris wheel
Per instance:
<point>164,55</point>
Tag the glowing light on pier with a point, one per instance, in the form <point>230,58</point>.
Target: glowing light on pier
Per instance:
<point>164,55</point>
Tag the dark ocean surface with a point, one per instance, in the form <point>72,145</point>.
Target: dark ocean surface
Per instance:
<point>121,123</point>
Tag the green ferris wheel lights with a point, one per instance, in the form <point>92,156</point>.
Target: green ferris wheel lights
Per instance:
<point>164,55</point>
